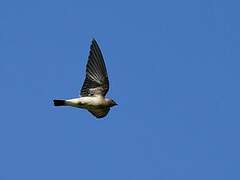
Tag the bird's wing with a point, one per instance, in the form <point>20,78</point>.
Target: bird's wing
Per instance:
<point>99,113</point>
<point>96,81</point>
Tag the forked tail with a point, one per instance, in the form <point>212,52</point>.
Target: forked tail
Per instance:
<point>58,102</point>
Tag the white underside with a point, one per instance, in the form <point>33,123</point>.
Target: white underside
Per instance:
<point>86,102</point>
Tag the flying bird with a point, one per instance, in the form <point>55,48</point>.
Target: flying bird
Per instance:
<point>95,86</point>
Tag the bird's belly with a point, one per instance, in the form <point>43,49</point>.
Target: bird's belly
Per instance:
<point>86,102</point>
<point>93,103</point>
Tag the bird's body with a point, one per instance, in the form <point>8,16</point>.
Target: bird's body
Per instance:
<point>94,88</point>
<point>87,102</point>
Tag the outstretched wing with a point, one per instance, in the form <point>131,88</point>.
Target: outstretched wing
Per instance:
<point>99,113</point>
<point>96,81</point>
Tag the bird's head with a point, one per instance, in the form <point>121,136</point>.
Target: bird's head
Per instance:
<point>111,102</point>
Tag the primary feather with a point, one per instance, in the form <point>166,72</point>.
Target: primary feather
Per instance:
<point>96,80</point>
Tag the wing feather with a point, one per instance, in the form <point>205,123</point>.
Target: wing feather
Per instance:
<point>99,113</point>
<point>96,81</point>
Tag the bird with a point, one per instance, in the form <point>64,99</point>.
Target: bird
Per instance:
<point>94,88</point>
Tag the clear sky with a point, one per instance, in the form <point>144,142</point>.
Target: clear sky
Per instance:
<point>173,69</point>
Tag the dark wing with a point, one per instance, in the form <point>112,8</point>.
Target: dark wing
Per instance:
<point>96,81</point>
<point>100,113</point>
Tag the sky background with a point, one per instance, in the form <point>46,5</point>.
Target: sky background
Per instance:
<point>173,69</point>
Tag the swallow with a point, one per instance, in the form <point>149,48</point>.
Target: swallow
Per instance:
<point>94,88</point>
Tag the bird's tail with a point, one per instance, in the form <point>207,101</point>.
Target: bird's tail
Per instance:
<point>58,102</point>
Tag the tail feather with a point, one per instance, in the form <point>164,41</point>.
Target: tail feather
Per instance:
<point>58,102</point>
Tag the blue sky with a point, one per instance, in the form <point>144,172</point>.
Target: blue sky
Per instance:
<point>174,71</point>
